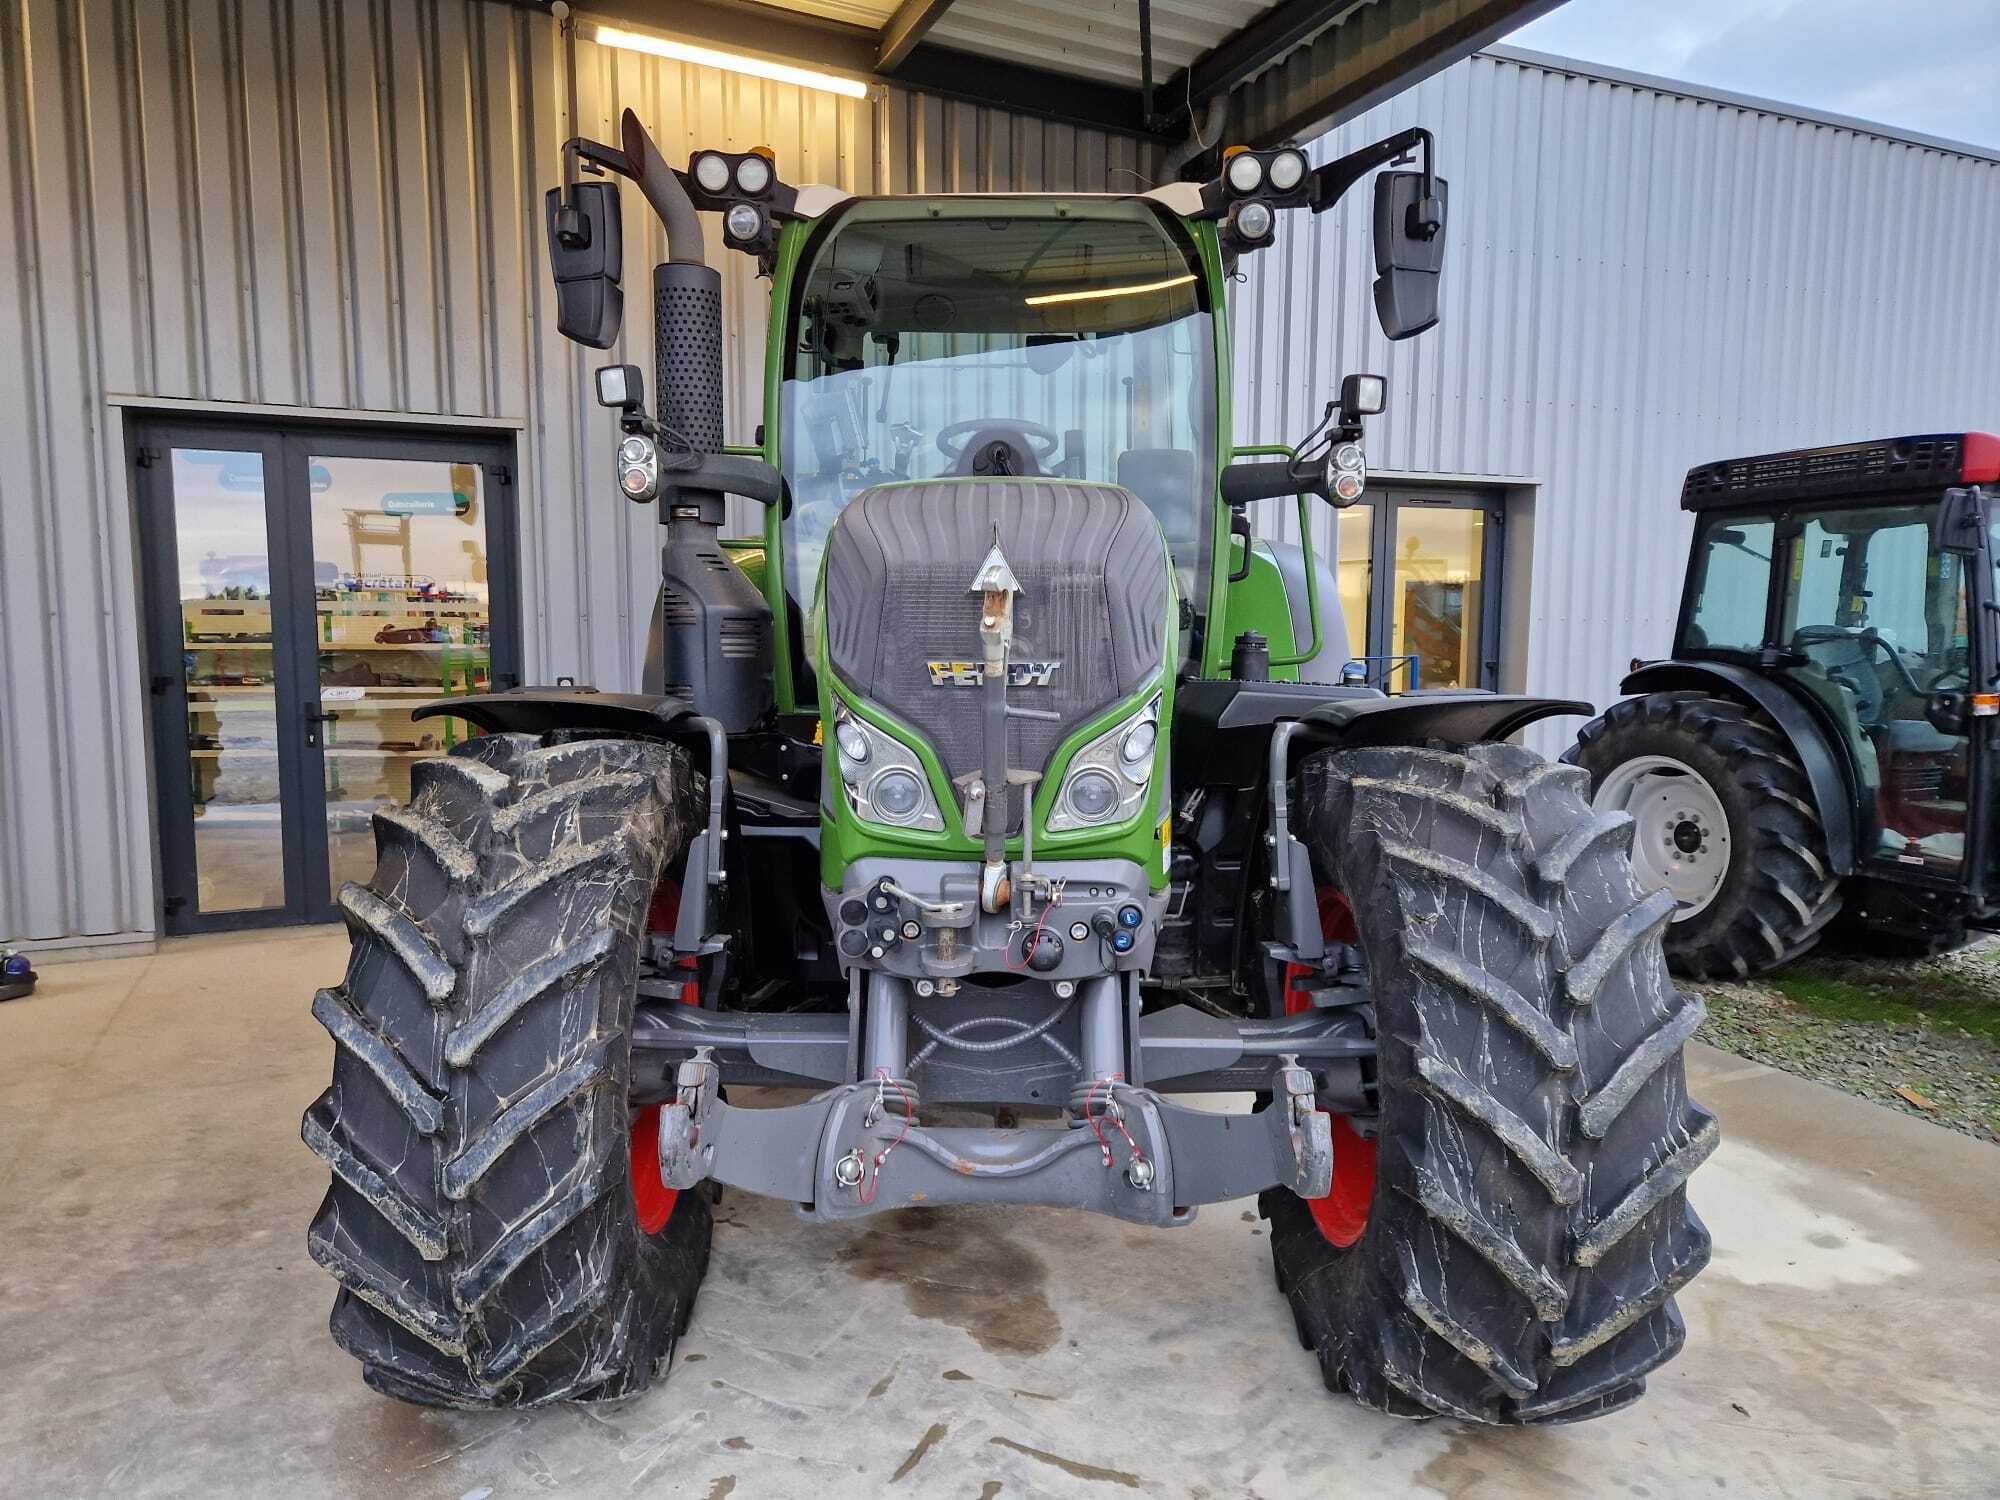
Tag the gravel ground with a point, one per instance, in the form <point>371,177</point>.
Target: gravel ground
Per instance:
<point>1883,1029</point>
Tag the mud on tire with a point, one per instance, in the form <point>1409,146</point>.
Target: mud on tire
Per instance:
<point>481,1219</point>
<point>1529,1224</point>
<point>1778,896</point>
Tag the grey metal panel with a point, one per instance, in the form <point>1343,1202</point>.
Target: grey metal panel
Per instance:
<point>287,204</point>
<point>1639,277</point>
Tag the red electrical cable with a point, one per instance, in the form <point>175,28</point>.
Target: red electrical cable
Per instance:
<point>1034,940</point>
<point>1102,1144</point>
<point>865,1190</point>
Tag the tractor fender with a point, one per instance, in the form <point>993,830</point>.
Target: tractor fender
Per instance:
<point>1456,718</point>
<point>1826,768</point>
<point>543,710</point>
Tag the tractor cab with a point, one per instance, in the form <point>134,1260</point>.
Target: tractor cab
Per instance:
<point>1845,596</point>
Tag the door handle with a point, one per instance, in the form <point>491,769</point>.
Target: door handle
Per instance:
<point>315,717</point>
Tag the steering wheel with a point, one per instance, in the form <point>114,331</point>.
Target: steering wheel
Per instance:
<point>1823,634</point>
<point>951,440</point>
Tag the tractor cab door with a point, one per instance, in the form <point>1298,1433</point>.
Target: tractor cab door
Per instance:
<point>1874,623</point>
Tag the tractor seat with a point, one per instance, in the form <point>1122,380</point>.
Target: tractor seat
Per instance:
<point>1912,737</point>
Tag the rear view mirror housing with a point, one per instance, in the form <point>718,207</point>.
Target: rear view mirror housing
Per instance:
<point>1960,523</point>
<point>1409,251</point>
<point>587,259</point>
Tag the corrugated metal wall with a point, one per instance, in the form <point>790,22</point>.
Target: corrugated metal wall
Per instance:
<point>336,205</point>
<point>1637,280</point>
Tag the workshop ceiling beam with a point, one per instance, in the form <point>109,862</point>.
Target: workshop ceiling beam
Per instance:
<point>905,29</point>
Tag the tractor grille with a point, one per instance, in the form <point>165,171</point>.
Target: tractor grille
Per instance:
<point>1093,572</point>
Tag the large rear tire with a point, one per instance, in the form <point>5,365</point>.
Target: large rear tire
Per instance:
<point>1774,895</point>
<point>482,1219</point>
<point>1516,1256</point>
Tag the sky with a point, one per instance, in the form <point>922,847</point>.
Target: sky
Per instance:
<point>1926,65</point>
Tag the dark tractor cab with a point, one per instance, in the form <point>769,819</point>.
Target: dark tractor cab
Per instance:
<point>1820,741</point>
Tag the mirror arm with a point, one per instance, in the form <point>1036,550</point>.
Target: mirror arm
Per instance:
<point>1331,182</point>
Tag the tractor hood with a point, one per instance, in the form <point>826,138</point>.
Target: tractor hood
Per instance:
<point>1090,623</point>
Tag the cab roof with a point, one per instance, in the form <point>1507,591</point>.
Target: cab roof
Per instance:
<point>1876,466</point>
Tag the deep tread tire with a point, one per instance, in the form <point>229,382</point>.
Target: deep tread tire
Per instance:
<point>1530,1224</point>
<point>480,1219</point>
<point>1779,895</point>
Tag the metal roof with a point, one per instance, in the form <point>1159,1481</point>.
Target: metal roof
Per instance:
<point>1195,71</point>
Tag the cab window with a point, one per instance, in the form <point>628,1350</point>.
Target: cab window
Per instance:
<point>1732,581</point>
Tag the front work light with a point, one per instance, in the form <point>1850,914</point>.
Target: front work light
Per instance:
<point>1363,396</point>
<point>1253,220</point>
<point>753,175</point>
<point>1245,173</point>
<point>622,387</point>
<point>1288,169</point>
<point>712,172</point>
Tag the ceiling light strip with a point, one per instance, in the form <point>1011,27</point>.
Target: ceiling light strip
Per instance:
<point>709,57</point>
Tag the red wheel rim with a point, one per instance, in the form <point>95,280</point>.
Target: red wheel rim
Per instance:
<point>653,1198</point>
<point>1343,1213</point>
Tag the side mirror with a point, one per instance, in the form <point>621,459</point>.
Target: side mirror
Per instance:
<point>1409,251</point>
<point>587,258</point>
<point>1961,521</point>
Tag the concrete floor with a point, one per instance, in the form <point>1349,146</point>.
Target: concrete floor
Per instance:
<point>162,1331</point>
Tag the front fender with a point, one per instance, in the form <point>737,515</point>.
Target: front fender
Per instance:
<point>546,710</point>
<point>1827,771</point>
<point>1456,718</point>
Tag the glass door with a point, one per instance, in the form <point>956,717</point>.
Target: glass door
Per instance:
<point>220,683</point>
<point>304,593</point>
<point>1420,575</point>
<point>403,565</point>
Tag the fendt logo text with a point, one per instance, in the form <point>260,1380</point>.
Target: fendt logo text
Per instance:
<point>972,673</point>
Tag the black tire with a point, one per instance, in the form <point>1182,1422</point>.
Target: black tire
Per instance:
<point>481,1219</point>
<point>1529,1223</point>
<point>1779,894</point>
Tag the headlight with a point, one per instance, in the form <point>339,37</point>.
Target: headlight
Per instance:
<point>897,793</point>
<point>1135,751</point>
<point>882,778</point>
<point>744,221</point>
<point>1108,778</point>
<point>712,172</point>
<point>1253,220</point>
<point>853,743</point>
<point>1090,794</point>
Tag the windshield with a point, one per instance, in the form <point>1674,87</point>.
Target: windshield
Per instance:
<point>1031,336</point>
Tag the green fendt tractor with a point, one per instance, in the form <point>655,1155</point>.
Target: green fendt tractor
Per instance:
<point>996,779</point>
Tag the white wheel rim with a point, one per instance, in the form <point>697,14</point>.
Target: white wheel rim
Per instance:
<point>1680,833</point>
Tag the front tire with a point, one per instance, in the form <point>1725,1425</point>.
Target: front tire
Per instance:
<point>1770,894</point>
<point>1528,1224</point>
<point>482,1219</point>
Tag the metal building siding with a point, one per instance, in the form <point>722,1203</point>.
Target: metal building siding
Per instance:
<point>339,206</point>
<point>1638,279</point>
